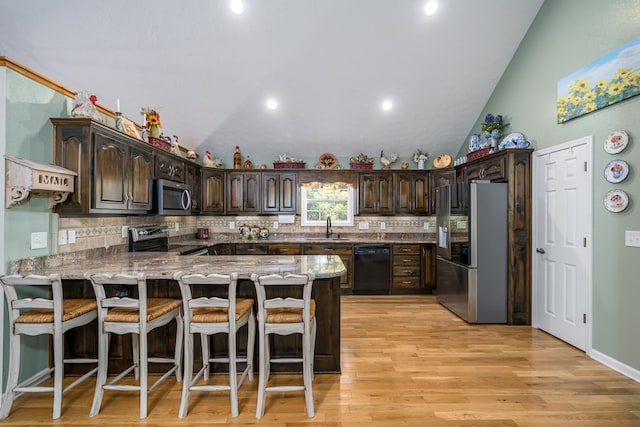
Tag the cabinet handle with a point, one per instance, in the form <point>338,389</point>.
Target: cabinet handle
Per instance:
<point>328,249</point>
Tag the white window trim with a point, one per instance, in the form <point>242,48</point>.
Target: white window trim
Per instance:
<point>334,223</point>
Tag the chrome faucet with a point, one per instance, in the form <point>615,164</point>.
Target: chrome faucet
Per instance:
<point>329,232</point>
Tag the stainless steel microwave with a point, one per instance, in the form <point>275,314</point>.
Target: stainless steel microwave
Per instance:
<point>171,198</point>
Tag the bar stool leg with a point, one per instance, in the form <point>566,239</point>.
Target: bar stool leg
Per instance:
<point>103,364</point>
<point>188,374</point>
<point>58,372</point>
<point>144,387</point>
<point>12,378</point>
<point>263,374</point>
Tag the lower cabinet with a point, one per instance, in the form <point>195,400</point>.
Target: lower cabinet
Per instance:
<point>345,251</point>
<point>406,267</point>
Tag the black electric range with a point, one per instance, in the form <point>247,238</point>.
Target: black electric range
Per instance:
<point>156,239</point>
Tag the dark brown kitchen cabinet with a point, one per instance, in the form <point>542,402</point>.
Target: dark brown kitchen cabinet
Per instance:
<point>375,193</point>
<point>284,249</point>
<point>438,178</point>
<point>279,192</point>
<point>512,166</point>
<point>411,191</point>
<point>221,249</point>
<point>193,180</point>
<point>242,192</point>
<point>428,267</point>
<point>115,171</point>
<point>344,251</point>
<point>212,191</point>
<point>406,267</point>
<point>252,249</point>
<point>169,167</point>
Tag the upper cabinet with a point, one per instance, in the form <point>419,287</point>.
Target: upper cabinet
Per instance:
<point>212,191</point>
<point>279,192</point>
<point>438,178</point>
<point>411,191</point>
<point>375,193</point>
<point>115,174</point>
<point>242,192</point>
<point>115,171</point>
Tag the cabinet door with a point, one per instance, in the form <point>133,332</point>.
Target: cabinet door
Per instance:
<point>242,192</point>
<point>279,192</point>
<point>234,192</point>
<point>212,191</point>
<point>376,193</point>
<point>344,251</point>
<point>438,179</point>
<point>251,189</point>
<point>110,183</point>
<point>193,180</point>
<point>284,249</point>
<point>492,169</point>
<point>140,180</point>
<point>168,167</point>
<point>411,192</point>
<point>428,267</point>
<point>72,150</point>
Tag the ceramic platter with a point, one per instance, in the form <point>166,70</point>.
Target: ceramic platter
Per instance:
<point>616,142</point>
<point>616,171</point>
<point>442,161</point>
<point>327,161</point>
<point>616,200</point>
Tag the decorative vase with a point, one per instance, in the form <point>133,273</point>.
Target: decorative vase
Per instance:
<point>154,131</point>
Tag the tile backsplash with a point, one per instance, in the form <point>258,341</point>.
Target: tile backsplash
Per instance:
<point>99,232</point>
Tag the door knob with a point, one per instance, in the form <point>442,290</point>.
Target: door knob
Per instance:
<point>540,251</point>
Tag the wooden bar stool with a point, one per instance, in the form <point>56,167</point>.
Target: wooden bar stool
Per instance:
<point>38,316</point>
<point>125,314</point>
<point>291,315</point>
<point>214,314</point>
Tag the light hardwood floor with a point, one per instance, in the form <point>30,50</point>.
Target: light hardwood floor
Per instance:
<point>406,361</point>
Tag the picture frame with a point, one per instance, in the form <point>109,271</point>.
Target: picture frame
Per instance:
<point>129,127</point>
<point>608,80</point>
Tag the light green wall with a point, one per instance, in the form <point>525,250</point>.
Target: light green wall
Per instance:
<point>566,36</point>
<point>28,133</point>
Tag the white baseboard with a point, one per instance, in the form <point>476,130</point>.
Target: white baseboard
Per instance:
<point>616,365</point>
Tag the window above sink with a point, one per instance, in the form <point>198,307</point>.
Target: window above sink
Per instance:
<point>320,200</point>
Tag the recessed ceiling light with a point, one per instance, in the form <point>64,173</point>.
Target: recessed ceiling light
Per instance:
<point>237,6</point>
<point>431,7</point>
<point>387,105</point>
<point>272,104</point>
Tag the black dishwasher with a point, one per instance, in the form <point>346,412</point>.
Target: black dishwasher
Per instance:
<point>372,269</point>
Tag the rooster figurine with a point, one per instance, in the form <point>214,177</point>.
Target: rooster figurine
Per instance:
<point>386,163</point>
<point>207,160</point>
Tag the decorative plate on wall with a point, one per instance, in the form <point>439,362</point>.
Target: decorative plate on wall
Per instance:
<point>616,142</point>
<point>327,161</point>
<point>442,161</point>
<point>616,200</point>
<point>616,171</point>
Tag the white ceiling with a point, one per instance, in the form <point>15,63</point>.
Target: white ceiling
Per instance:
<point>330,63</point>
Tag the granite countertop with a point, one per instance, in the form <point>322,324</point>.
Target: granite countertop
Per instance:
<point>283,238</point>
<point>158,265</point>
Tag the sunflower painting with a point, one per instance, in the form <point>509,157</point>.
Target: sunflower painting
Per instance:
<point>612,78</point>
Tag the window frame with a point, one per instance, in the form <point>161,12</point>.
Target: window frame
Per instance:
<point>334,222</point>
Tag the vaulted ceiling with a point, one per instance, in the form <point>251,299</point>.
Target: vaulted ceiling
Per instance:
<point>329,63</point>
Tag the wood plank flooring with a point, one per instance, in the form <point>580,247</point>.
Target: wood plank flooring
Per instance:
<point>406,361</point>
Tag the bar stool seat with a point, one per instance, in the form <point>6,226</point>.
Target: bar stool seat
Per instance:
<point>38,316</point>
<point>136,315</point>
<point>285,316</point>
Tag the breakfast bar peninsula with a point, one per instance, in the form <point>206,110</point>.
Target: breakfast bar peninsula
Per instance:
<point>159,269</point>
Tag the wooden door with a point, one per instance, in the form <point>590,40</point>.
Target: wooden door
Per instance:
<point>367,192</point>
<point>111,175</point>
<point>385,194</point>
<point>403,193</point>
<point>140,180</point>
<point>212,191</point>
<point>251,189</point>
<point>234,192</point>
<point>288,192</point>
<point>438,179</point>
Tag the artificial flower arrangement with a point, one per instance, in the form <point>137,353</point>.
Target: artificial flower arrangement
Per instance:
<point>152,121</point>
<point>493,126</point>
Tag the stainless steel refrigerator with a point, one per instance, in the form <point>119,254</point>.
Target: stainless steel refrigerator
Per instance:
<point>471,263</point>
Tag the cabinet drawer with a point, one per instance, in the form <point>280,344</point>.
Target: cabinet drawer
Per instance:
<point>327,249</point>
<point>489,169</point>
<point>406,271</point>
<point>251,249</point>
<point>406,282</point>
<point>284,249</point>
<point>406,250</point>
<point>406,260</point>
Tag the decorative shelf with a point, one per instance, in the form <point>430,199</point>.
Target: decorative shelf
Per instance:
<point>25,178</point>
